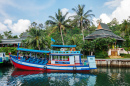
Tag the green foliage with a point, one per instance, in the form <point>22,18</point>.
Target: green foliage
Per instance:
<point>101,54</point>
<point>125,55</point>
<point>126,45</point>
<point>15,36</point>
<point>1,36</point>
<point>103,43</point>
<point>82,18</point>
<point>58,22</point>
<point>13,50</point>
<point>36,40</point>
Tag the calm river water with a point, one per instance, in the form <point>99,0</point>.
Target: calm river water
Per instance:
<point>101,77</point>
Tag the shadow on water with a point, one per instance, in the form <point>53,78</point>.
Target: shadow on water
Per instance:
<point>99,77</point>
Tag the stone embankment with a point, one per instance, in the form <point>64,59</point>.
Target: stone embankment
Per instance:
<point>125,63</point>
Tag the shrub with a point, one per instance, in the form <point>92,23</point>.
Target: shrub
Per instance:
<point>101,54</point>
<point>125,55</point>
<point>13,50</point>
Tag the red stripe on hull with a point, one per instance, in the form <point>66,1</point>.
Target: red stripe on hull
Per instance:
<point>26,67</point>
<point>48,70</point>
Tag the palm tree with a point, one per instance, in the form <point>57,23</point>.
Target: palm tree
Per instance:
<point>126,27</point>
<point>81,16</point>
<point>58,22</point>
<point>36,39</point>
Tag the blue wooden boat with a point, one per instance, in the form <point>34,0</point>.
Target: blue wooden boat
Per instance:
<point>57,61</point>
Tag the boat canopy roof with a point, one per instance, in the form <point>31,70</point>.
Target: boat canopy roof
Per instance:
<point>63,45</point>
<point>31,50</point>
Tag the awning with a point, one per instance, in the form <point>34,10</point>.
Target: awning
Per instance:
<point>31,50</point>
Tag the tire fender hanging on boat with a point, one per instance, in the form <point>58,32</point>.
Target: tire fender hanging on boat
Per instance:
<point>45,67</point>
<point>74,68</point>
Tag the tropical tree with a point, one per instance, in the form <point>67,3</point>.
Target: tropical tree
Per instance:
<point>113,22</point>
<point>37,38</point>
<point>76,39</point>
<point>8,34</point>
<point>82,17</point>
<point>1,36</point>
<point>58,22</point>
<point>126,27</point>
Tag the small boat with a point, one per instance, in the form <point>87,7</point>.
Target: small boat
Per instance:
<point>3,58</point>
<point>57,61</point>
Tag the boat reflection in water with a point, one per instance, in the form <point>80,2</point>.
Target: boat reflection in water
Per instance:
<point>36,78</point>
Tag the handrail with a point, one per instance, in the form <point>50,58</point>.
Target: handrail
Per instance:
<point>66,52</point>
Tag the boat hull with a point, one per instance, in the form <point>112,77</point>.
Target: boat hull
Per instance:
<point>48,68</point>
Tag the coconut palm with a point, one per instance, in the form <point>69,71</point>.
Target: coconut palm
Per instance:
<point>36,39</point>
<point>81,17</point>
<point>58,22</point>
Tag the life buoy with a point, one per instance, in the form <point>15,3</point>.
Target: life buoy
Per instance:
<point>72,49</point>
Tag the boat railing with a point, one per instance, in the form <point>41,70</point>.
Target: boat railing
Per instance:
<point>65,52</point>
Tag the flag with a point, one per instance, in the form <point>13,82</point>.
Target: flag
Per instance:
<point>52,40</point>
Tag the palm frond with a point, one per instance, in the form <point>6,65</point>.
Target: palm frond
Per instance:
<point>53,18</point>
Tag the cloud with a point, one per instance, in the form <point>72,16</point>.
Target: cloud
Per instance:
<point>8,21</point>
<point>120,13</point>
<point>64,10</point>
<point>112,3</point>
<point>16,28</point>
<point>105,18</point>
<point>3,28</point>
<point>20,26</point>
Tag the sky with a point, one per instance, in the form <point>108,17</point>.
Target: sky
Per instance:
<point>17,15</point>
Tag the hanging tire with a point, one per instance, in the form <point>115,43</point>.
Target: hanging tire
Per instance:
<point>45,67</point>
<point>74,68</point>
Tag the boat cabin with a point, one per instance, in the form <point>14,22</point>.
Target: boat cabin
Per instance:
<point>65,57</point>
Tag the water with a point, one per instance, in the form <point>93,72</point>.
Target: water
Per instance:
<point>100,77</point>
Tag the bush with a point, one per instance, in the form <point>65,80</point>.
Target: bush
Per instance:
<point>101,54</point>
<point>125,55</point>
<point>13,50</point>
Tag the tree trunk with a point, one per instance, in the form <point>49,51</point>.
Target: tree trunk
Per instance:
<point>91,53</point>
<point>82,30</point>
<point>38,47</point>
<point>61,35</point>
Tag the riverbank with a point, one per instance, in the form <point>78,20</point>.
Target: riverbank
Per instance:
<point>124,63</point>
